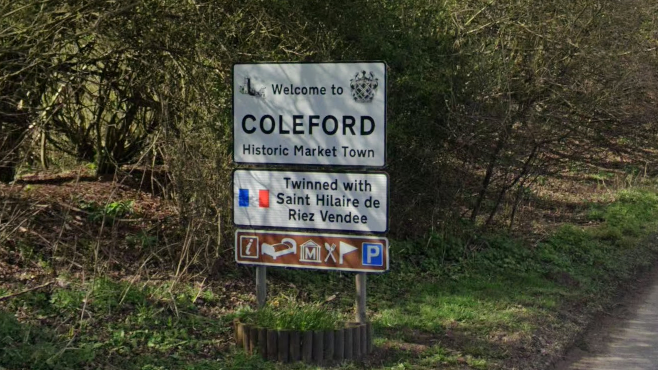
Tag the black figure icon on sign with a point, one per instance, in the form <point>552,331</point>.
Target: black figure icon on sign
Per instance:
<point>249,90</point>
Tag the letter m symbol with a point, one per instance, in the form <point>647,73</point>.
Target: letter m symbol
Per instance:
<point>310,254</point>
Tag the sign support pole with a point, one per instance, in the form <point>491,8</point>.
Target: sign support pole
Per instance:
<point>361,297</point>
<point>261,286</point>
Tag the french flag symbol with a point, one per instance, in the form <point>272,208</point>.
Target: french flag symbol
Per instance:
<point>244,200</point>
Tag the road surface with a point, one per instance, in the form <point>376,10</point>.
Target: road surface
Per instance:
<point>626,340</point>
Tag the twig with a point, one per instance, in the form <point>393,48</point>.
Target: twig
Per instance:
<point>4,298</point>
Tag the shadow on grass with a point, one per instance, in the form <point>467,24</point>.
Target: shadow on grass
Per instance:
<point>480,320</point>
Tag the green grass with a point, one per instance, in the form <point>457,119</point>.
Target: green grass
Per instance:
<point>508,289</point>
<point>29,346</point>
<point>445,303</point>
<point>294,316</point>
<point>105,322</point>
<point>118,209</point>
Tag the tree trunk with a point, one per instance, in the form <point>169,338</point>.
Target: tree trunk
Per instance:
<point>10,137</point>
<point>527,165</point>
<point>105,165</point>
<point>487,177</point>
<point>43,150</point>
<point>7,173</point>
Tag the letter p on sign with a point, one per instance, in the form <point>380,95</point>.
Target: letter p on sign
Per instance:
<point>372,254</point>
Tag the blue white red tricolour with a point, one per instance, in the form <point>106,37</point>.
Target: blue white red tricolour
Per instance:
<point>263,200</point>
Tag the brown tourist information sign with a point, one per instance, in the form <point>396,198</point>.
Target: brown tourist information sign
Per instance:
<point>312,251</point>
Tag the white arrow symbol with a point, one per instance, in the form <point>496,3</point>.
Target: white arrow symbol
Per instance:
<point>343,250</point>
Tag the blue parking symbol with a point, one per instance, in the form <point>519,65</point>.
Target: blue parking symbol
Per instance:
<point>372,254</point>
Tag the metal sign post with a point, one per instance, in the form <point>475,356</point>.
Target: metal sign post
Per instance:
<point>361,297</point>
<point>261,286</point>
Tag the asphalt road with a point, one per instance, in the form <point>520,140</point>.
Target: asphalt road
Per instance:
<point>626,341</point>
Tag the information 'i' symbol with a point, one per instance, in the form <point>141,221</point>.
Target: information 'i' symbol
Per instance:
<point>248,250</point>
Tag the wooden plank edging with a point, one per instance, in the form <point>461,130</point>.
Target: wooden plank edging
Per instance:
<point>295,346</point>
<point>307,346</point>
<point>262,342</point>
<point>272,345</point>
<point>353,342</point>
<point>284,346</point>
<point>339,345</point>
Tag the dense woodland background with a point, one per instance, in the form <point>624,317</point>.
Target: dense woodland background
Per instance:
<point>487,99</point>
<point>522,142</point>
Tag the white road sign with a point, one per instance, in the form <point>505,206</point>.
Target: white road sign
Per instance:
<point>310,113</point>
<point>311,200</point>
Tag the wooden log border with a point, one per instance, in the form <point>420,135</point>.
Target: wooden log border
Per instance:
<point>353,342</point>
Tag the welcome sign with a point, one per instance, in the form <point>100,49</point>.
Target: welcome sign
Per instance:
<point>310,113</point>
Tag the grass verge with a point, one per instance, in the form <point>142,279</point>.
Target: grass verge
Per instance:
<point>483,302</point>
